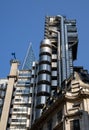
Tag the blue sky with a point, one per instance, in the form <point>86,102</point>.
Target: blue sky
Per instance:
<point>22,22</point>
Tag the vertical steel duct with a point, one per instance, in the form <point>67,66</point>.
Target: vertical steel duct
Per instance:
<point>67,53</point>
<point>63,59</point>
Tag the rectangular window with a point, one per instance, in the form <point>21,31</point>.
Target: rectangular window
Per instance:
<point>74,125</point>
<point>76,104</point>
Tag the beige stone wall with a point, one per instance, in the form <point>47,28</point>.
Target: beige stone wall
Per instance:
<point>83,119</point>
<point>13,70</point>
<point>8,97</point>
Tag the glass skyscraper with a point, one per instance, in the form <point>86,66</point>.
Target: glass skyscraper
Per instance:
<point>29,58</point>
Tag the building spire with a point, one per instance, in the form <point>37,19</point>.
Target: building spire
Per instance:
<point>29,58</point>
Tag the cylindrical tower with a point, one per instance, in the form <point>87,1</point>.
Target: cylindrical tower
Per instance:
<point>44,75</point>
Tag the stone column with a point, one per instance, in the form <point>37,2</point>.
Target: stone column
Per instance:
<point>8,97</point>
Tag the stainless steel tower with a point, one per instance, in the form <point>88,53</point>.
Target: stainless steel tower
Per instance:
<point>63,36</point>
<point>58,50</point>
<point>44,75</point>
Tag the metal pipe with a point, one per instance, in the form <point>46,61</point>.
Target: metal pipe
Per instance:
<point>59,55</point>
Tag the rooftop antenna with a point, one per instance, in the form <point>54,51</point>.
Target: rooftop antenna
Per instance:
<point>13,54</point>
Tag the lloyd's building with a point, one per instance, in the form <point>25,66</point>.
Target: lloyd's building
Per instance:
<point>52,93</point>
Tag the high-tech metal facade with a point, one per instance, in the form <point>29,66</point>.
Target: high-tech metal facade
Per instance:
<point>21,102</point>
<point>58,50</point>
<point>63,36</point>
<point>15,99</point>
<point>28,90</point>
